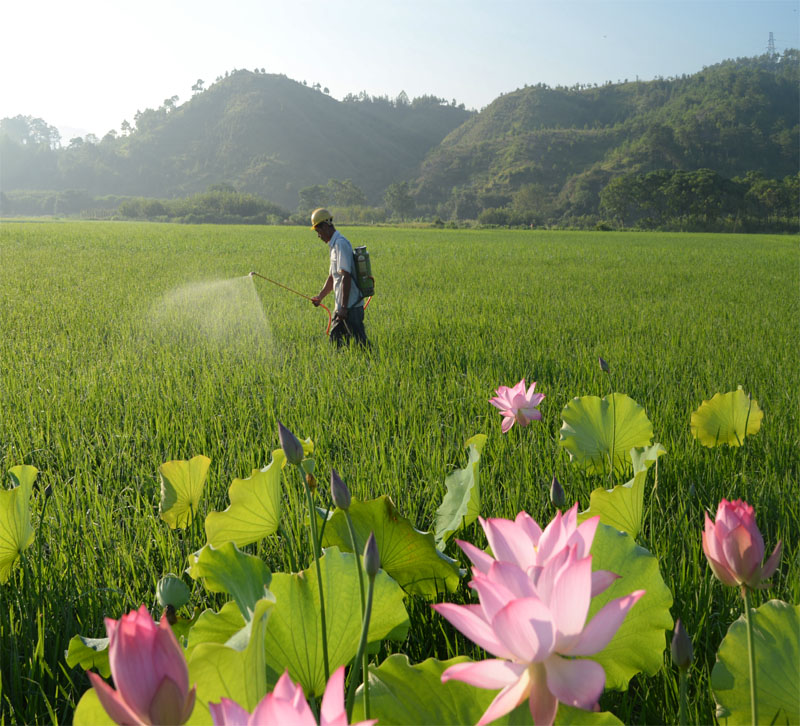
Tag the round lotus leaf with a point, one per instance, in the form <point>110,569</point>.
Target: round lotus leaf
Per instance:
<point>726,419</point>
<point>598,433</point>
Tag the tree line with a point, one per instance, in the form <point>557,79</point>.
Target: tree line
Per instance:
<point>699,200</point>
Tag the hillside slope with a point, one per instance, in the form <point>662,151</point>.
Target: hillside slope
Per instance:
<point>261,133</point>
<point>734,117</point>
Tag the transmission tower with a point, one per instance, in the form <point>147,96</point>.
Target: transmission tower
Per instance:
<point>771,45</point>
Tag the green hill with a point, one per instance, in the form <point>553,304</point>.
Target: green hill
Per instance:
<point>261,133</point>
<point>537,154</point>
<point>735,117</point>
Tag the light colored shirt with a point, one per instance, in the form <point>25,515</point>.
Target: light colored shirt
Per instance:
<point>342,259</point>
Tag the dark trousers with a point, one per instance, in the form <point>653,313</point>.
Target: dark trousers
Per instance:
<point>351,329</point>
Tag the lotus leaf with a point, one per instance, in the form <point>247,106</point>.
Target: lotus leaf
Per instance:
<point>401,694</point>
<point>726,419</point>
<point>90,711</point>
<point>212,627</point>
<point>223,672</point>
<point>16,531</point>
<point>776,635</point>
<point>408,555</point>
<point>181,488</point>
<point>638,645</point>
<point>244,577</point>
<point>462,503</point>
<point>597,432</point>
<point>293,636</point>
<point>622,506</point>
<point>255,509</point>
<point>89,653</point>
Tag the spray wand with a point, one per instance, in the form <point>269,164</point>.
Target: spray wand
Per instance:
<point>327,330</point>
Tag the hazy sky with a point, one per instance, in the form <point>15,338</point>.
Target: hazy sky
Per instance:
<point>87,65</point>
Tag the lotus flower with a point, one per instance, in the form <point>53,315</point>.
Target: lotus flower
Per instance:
<point>287,706</point>
<point>523,543</point>
<point>734,547</point>
<point>149,671</point>
<point>517,405</point>
<point>532,616</point>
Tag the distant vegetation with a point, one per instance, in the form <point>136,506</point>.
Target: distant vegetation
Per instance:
<point>221,204</point>
<point>717,150</point>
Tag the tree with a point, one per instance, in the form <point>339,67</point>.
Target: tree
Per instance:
<point>345,193</point>
<point>465,204</point>
<point>313,197</point>
<point>399,200</point>
<point>198,87</point>
<point>29,131</point>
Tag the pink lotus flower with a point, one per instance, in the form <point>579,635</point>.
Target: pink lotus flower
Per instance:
<point>516,404</point>
<point>286,705</point>
<point>523,543</point>
<point>734,547</point>
<point>149,671</point>
<point>532,616</point>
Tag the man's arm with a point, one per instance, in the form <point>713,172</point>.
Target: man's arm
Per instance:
<point>341,308</point>
<point>326,288</point>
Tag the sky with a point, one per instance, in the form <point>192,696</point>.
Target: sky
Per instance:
<point>88,65</point>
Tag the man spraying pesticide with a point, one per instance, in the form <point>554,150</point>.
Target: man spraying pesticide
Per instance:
<point>349,287</point>
<point>350,278</point>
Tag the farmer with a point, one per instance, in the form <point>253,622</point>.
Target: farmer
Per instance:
<point>348,317</point>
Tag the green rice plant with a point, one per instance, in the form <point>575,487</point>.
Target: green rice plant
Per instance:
<point>125,346</point>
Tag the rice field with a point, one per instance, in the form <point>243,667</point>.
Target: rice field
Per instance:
<point>123,346</point>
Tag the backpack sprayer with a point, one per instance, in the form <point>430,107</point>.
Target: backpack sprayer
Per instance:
<point>363,278</point>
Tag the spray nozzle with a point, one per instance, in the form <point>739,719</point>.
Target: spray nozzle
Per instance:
<point>251,274</point>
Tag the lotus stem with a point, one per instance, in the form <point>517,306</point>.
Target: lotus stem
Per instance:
<point>371,564</point>
<point>312,515</point>
<point>358,557</point>
<point>362,646</point>
<point>751,654</point>
<point>682,718</point>
<point>363,604</point>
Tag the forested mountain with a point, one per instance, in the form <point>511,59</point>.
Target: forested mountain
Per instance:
<point>574,156</point>
<point>557,148</point>
<point>261,133</point>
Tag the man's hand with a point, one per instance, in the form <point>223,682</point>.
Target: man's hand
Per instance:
<point>316,301</point>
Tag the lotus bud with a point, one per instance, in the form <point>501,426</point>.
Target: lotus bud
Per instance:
<point>681,647</point>
<point>734,547</point>
<point>171,590</point>
<point>339,491</point>
<point>557,495</point>
<point>372,558</point>
<point>290,444</point>
<point>149,671</point>
<point>603,365</point>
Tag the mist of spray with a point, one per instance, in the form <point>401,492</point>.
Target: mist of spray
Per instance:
<point>224,313</point>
